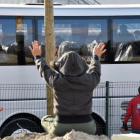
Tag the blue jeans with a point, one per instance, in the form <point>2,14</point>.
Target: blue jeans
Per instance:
<point>136,131</point>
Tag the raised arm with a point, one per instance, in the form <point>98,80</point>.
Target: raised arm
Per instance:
<point>95,68</point>
<point>128,112</point>
<point>45,71</point>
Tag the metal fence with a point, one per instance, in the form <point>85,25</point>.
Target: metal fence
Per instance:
<point>25,105</point>
<point>110,101</point>
<point>119,95</point>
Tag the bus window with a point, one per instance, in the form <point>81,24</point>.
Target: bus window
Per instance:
<point>24,37</point>
<point>40,33</point>
<point>81,34</point>
<point>7,41</point>
<point>126,41</point>
<point>16,34</point>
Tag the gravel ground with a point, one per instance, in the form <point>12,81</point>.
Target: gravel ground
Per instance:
<point>73,135</point>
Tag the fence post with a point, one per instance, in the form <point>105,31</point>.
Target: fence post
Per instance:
<point>107,105</point>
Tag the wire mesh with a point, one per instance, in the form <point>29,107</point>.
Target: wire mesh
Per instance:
<point>99,108</point>
<point>120,94</point>
<point>25,104</point>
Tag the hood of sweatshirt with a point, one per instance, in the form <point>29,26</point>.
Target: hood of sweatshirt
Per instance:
<point>71,64</point>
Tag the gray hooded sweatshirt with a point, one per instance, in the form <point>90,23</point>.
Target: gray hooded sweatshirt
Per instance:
<point>72,85</point>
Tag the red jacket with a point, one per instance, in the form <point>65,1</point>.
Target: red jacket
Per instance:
<point>133,109</point>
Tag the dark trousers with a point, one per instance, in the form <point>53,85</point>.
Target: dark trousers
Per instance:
<point>136,131</point>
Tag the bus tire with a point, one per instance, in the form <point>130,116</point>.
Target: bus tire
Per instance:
<point>11,127</point>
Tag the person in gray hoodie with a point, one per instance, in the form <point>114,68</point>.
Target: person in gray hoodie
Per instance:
<point>72,90</point>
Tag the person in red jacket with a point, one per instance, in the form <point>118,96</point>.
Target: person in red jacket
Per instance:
<point>133,109</point>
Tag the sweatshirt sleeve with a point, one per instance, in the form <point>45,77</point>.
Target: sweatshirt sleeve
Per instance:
<point>128,112</point>
<point>45,71</point>
<point>95,70</point>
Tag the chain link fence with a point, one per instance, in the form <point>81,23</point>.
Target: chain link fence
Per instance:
<point>119,95</point>
<point>25,104</point>
<point>23,107</point>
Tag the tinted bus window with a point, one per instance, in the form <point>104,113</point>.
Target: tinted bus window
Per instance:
<point>80,34</point>
<point>24,37</point>
<point>16,34</point>
<point>7,40</point>
<point>126,39</point>
<point>40,33</point>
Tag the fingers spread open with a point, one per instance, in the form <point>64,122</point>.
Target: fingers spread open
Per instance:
<point>33,45</point>
<point>36,43</point>
<point>40,47</point>
<point>95,47</point>
<point>104,51</point>
<point>102,47</point>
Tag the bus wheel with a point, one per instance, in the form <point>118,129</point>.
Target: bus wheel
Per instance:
<point>99,129</point>
<point>12,129</point>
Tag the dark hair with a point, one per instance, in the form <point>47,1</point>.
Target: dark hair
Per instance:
<point>139,89</point>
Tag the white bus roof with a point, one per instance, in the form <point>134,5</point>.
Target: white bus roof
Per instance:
<point>70,10</point>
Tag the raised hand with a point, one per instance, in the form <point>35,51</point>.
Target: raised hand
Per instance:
<point>99,50</point>
<point>36,50</point>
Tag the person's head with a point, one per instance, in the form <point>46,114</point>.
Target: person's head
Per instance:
<point>139,89</point>
<point>70,64</point>
<point>137,35</point>
<point>123,28</point>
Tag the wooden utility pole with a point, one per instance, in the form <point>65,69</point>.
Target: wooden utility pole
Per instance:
<point>49,47</point>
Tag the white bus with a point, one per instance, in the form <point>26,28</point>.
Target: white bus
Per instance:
<point>118,26</point>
